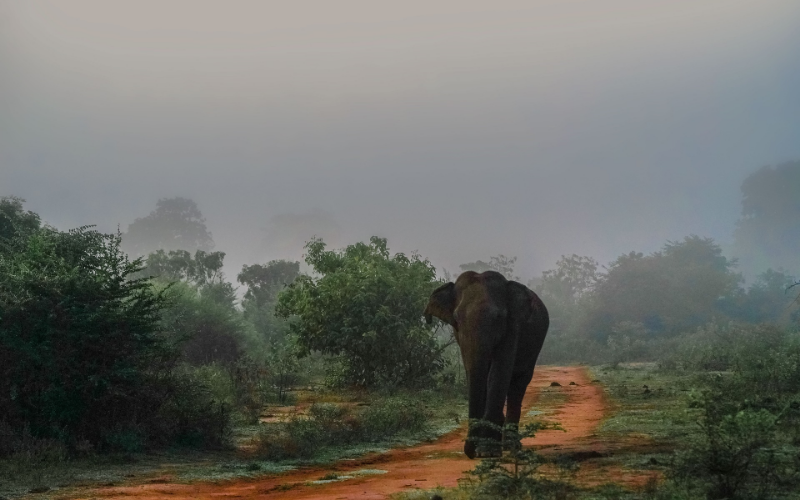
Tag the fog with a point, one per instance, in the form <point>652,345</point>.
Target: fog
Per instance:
<point>456,129</point>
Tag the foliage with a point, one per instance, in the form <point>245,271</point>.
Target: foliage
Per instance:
<point>751,411</point>
<point>567,291</point>
<point>263,285</point>
<point>178,265</point>
<point>739,454</point>
<point>208,328</point>
<point>175,224</point>
<point>264,282</point>
<point>200,312</point>
<point>514,474</point>
<point>81,356</point>
<point>16,224</point>
<point>767,234</point>
<point>365,308</point>
<point>668,291</point>
<point>329,424</point>
<point>500,263</point>
<point>77,337</point>
<point>767,299</point>
<point>627,342</point>
<point>276,347</point>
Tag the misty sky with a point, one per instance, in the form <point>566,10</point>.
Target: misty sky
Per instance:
<point>460,129</point>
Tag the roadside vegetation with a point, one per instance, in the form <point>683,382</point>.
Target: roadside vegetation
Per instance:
<point>118,350</point>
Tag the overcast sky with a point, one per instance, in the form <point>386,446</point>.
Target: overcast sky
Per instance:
<point>457,128</point>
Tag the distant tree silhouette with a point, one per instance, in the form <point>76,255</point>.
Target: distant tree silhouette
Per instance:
<point>175,224</point>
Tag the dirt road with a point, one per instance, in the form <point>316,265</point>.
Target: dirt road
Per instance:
<point>579,408</point>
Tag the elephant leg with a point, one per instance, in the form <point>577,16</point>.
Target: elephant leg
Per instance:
<point>477,376</point>
<point>500,376</point>
<point>516,392</point>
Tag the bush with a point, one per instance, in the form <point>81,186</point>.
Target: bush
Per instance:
<point>365,308</point>
<point>739,454</point>
<point>330,424</point>
<point>390,416</point>
<point>514,475</point>
<point>749,431</point>
<point>82,358</point>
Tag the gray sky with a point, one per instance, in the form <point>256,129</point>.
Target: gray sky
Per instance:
<point>460,129</point>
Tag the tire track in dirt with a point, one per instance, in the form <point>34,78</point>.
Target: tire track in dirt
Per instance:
<point>425,466</point>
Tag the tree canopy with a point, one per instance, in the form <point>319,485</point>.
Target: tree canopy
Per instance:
<point>175,224</point>
<point>668,291</point>
<point>364,305</point>
<point>15,222</point>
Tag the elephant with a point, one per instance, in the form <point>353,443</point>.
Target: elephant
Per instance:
<point>500,326</point>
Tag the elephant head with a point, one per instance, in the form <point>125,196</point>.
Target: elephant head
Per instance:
<point>442,304</point>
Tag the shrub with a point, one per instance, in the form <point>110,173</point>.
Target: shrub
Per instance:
<point>364,308</point>
<point>390,416</point>
<point>82,357</point>
<point>514,475</point>
<point>739,454</point>
<point>330,424</point>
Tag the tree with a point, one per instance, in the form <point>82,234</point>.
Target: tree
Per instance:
<point>201,312</point>
<point>567,289</point>
<point>205,268</point>
<point>767,300</point>
<point>15,221</point>
<point>500,263</point>
<point>175,224</point>
<point>264,282</point>
<point>364,305</point>
<point>207,328</point>
<point>668,291</point>
<point>79,339</point>
<point>768,234</point>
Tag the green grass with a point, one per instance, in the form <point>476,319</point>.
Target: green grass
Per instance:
<point>659,411</point>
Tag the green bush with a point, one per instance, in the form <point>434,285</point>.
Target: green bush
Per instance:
<point>387,417</point>
<point>363,306</point>
<point>514,475</point>
<point>739,454</point>
<point>328,424</point>
<point>82,356</point>
<point>301,436</point>
<point>747,444</point>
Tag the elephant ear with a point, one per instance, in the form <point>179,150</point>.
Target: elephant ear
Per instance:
<point>441,304</point>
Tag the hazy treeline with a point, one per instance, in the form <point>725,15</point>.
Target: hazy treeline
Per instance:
<point>99,350</point>
<point>638,306</point>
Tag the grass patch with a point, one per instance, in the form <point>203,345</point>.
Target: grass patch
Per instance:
<point>331,425</point>
<point>383,423</point>
<point>648,402</point>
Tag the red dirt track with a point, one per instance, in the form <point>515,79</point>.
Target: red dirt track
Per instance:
<point>440,463</point>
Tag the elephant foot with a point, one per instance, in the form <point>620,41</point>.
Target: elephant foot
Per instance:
<point>490,451</point>
<point>483,450</point>
<point>469,449</point>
